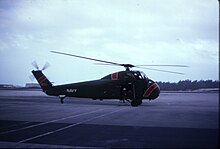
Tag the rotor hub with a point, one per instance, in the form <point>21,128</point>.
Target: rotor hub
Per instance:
<point>127,66</point>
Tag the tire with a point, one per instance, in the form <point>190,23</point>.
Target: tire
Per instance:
<point>135,103</point>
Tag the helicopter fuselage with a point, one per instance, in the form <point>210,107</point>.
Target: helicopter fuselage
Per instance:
<point>124,85</point>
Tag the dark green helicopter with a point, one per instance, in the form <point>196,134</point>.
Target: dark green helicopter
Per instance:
<point>128,85</point>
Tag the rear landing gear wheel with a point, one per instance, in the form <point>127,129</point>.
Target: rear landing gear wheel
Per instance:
<point>62,98</point>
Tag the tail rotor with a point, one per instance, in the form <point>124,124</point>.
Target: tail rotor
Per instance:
<point>45,84</point>
<point>46,65</point>
<point>35,65</point>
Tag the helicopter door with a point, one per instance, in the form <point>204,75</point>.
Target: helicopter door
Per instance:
<point>127,91</point>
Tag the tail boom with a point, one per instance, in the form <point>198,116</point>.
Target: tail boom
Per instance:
<point>44,83</point>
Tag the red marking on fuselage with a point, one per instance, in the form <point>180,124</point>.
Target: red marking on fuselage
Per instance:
<point>42,79</point>
<point>150,90</point>
<point>114,76</point>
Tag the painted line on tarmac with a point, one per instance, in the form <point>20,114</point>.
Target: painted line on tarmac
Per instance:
<point>15,125</point>
<point>60,119</point>
<point>69,126</point>
<point>13,145</point>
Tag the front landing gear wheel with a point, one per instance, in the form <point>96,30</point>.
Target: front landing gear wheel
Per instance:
<point>135,103</point>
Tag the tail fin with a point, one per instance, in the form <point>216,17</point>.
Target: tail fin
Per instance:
<point>42,80</point>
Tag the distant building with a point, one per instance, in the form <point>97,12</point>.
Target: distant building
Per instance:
<point>6,86</point>
<point>32,85</point>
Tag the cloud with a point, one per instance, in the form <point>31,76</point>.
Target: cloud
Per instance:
<point>124,31</point>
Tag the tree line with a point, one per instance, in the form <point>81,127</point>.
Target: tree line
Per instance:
<point>188,85</point>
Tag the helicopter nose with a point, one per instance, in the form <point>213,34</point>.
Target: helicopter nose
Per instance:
<point>153,91</point>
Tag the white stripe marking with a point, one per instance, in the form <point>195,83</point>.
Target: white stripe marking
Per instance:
<point>15,125</point>
<point>69,126</point>
<point>35,125</point>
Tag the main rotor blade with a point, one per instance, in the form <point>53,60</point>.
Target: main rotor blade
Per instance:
<point>164,65</point>
<point>127,66</point>
<point>162,70</point>
<point>86,58</point>
<point>104,64</point>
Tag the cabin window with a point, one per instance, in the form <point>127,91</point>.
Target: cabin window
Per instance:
<point>129,74</point>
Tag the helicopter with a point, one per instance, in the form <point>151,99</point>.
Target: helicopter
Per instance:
<point>130,85</point>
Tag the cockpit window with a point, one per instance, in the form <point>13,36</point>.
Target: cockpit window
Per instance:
<point>138,75</point>
<point>143,75</point>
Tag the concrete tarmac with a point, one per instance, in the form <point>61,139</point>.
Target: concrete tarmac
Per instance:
<point>30,119</point>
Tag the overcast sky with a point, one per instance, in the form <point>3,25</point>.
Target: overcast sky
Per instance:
<point>123,31</point>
